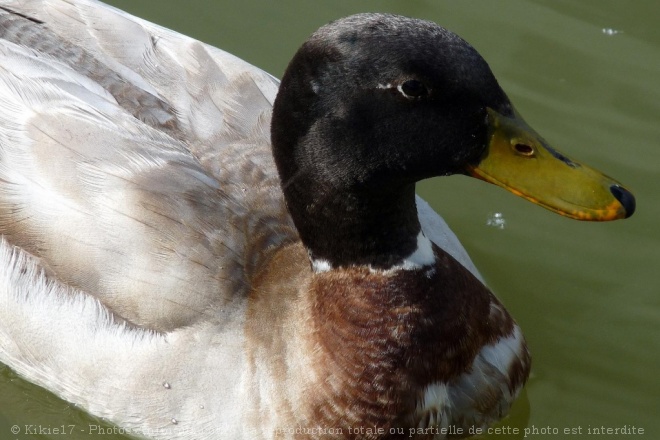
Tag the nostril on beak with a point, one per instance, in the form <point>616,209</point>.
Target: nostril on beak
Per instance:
<point>624,197</point>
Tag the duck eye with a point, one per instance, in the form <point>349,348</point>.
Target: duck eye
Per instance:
<point>413,89</point>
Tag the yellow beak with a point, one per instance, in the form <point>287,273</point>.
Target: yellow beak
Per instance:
<point>519,160</point>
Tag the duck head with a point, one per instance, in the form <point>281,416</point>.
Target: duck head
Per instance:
<point>372,103</point>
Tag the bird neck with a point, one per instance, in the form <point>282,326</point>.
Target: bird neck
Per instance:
<point>349,228</point>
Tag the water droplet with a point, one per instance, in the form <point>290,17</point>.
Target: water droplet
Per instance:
<point>175,421</point>
<point>496,220</point>
<point>610,31</point>
<point>167,385</point>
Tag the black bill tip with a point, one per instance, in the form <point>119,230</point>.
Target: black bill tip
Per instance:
<point>624,197</point>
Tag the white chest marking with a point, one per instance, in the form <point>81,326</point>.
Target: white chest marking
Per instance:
<point>488,377</point>
<point>320,265</point>
<point>421,257</point>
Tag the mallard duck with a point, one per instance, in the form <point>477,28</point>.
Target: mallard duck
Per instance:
<point>193,250</point>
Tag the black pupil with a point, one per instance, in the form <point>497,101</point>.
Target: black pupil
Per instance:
<point>414,88</point>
